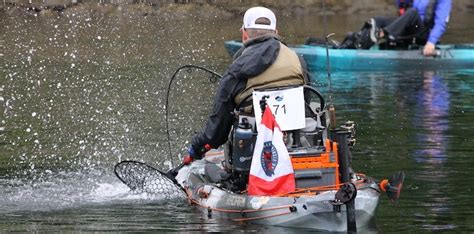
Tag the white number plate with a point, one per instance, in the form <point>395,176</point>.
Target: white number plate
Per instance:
<point>287,106</point>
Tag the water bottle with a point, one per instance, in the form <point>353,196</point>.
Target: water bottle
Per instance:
<point>243,145</point>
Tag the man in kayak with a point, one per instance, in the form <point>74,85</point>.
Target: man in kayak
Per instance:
<point>421,22</point>
<point>262,62</point>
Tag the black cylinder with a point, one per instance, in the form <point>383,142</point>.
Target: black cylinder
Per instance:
<point>344,169</point>
<point>344,152</point>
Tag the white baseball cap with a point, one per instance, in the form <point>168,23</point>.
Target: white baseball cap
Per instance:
<point>252,14</point>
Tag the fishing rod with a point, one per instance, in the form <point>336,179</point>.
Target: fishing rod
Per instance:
<point>331,108</point>
<point>212,78</point>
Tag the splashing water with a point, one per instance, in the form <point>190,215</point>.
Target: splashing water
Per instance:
<point>69,190</point>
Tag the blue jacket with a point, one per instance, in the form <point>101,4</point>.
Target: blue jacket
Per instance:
<point>442,9</point>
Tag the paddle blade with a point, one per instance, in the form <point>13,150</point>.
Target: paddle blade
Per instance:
<point>142,178</point>
<point>394,185</point>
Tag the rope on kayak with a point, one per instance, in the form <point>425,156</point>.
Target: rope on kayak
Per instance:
<point>317,189</point>
<point>194,201</point>
<point>235,211</point>
<point>243,212</point>
<point>291,208</point>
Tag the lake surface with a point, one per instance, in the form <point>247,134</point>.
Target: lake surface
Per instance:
<point>82,91</point>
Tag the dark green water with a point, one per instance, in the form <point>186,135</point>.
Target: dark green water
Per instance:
<point>83,91</point>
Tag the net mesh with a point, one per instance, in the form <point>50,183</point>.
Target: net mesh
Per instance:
<point>142,178</point>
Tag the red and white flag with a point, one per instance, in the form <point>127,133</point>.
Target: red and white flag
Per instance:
<point>271,171</point>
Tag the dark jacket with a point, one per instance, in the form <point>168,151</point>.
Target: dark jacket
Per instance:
<point>251,60</point>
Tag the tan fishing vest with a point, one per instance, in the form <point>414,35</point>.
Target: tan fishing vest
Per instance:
<point>285,71</point>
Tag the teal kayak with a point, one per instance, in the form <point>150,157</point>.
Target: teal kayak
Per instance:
<point>450,57</point>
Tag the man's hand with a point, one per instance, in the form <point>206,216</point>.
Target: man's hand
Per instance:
<point>194,154</point>
<point>429,49</point>
<point>187,160</point>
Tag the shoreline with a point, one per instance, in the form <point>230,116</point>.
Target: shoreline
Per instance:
<point>227,8</point>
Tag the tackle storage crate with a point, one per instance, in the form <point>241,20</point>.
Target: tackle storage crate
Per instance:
<point>315,167</point>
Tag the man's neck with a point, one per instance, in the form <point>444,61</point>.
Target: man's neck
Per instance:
<point>260,39</point>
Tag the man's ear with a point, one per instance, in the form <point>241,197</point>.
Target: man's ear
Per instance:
<point>245,35</point>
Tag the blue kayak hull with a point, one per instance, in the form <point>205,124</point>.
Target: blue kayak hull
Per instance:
<point>451,57</point>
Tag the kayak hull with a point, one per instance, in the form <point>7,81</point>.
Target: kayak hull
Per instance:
<point>450,57</point>
<point>305,211</point>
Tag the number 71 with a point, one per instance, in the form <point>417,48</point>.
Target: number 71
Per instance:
<point>278,107</point>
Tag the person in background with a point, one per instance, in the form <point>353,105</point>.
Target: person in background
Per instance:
<point>263,62</point>
<point>420,22</point>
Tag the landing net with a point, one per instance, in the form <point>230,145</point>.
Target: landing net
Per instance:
<point>142,178</point>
